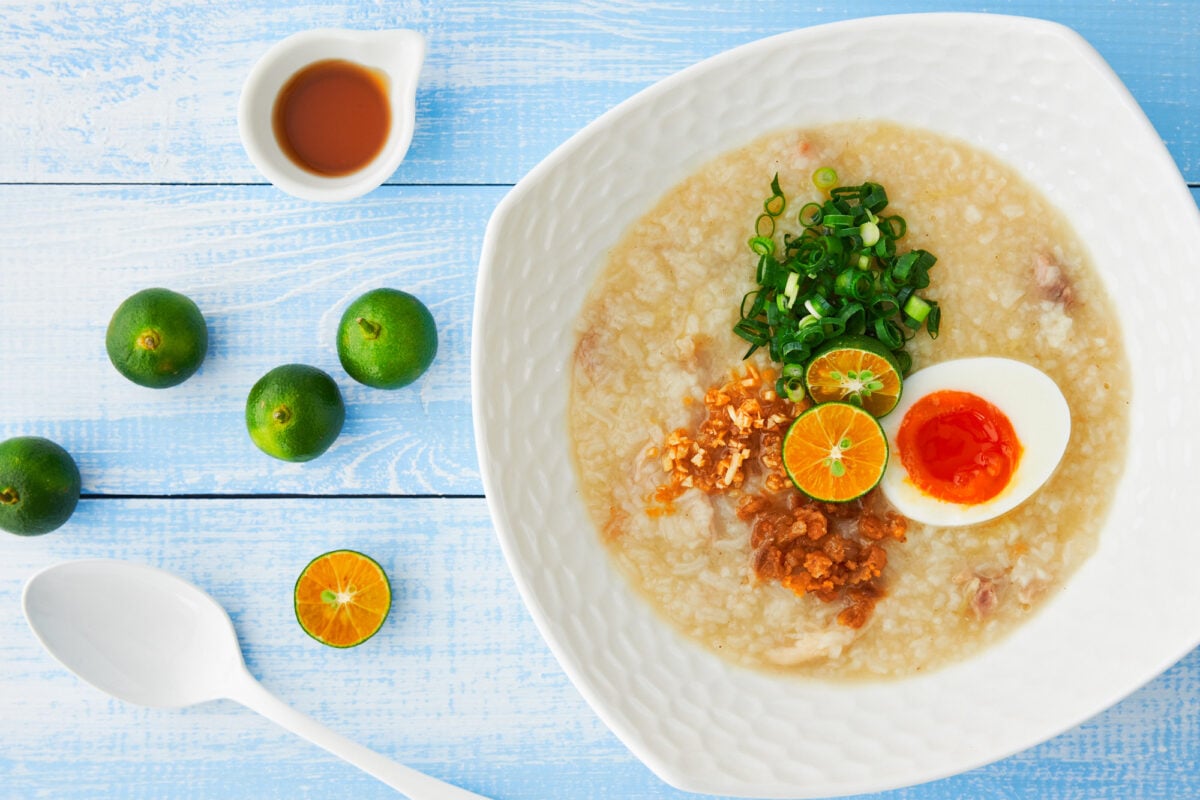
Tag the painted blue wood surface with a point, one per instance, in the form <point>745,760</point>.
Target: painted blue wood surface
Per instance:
<point>272,276</point>
<point>148,92</point>
<point>457,683</point>
<point>141,99</point>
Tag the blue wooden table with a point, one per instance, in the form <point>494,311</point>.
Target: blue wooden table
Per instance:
<point>121,168</point>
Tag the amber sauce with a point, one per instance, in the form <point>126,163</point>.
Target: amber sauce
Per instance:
<point>333,117</point>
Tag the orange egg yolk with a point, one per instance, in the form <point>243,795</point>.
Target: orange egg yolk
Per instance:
<point>958,447</point>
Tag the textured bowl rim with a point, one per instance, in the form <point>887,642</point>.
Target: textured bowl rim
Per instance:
<point>492,465</point>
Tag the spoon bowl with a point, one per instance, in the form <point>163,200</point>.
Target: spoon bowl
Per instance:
<point>151,638</point>
<point>138,633</point>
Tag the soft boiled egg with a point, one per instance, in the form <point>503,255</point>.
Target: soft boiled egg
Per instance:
<point>973,438</point>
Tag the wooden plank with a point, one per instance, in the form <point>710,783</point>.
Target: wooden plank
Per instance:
<point>457,683</point>
<point>148,92</point>
<point>272,276</point>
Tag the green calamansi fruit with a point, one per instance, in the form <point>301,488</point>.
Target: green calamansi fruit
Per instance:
<point>39,485</point>
<point>386,339</point>
<point>295,412</point>
<point>157,338</point>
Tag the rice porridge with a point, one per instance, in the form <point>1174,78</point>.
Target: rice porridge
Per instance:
<point>655,337</point>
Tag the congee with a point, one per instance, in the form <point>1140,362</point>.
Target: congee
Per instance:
<point>679,436</point>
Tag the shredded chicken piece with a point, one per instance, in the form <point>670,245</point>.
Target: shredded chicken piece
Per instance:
<point>984,600</point>
<point>1029,580</point>
<point>982,590</point>
<point>1051,281</point>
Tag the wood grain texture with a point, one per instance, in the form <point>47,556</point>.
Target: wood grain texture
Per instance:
<point>148,91</point>
<point>272,276</point>
<point>457,682</point>
<point>141,99</point>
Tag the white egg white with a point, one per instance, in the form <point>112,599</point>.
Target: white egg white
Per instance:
<point>1033,404</point>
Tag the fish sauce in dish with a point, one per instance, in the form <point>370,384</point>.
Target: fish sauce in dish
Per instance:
<point>333,117</point>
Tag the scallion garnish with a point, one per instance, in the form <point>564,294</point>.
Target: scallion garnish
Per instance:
<point>840,274</point>
<point>824,179</point>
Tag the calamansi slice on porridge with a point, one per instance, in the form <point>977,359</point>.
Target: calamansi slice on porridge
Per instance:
<point>342,598</point>
<point>835,452</point>
<point>857,370</point>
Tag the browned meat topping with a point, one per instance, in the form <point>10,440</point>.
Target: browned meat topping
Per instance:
<point>834,551</point>
<point>837,559</point>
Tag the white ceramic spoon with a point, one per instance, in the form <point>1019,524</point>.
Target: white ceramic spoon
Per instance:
<point>148,637</point>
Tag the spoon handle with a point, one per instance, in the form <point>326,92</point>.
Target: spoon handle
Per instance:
<point>416,785</point>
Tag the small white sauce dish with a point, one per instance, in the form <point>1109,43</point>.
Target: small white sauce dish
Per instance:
<point>397,54</point>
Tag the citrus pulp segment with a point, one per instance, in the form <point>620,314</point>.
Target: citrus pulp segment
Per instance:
<point>342,598</point>
<point>855,369</point>
<point>835,452</point>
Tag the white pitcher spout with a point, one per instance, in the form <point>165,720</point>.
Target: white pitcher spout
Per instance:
<point>399,53</point>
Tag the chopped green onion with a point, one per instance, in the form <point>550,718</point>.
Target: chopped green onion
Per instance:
<point>917,309</point>
<point>855,283</point>
<point>764,226</point>
<point>762,245</point>
<point>776,192</point>
<point>889,333</point>
<point>884,305</point>
<point>793,389</point>
<point>792,287</point>
<point>869,232</point>
<point>873,197</point>
<point>824,178</point>
<point>896,226</point>
<point>790,371</point>
<point>853,318</point>
<point>753,331</point>
<point>840,273</point>
<point>933,322</point>
<point>832,327</point>
<point>904,267</point>
<point>810,215</point>
<point>818,306</point>
<point>754,308</point>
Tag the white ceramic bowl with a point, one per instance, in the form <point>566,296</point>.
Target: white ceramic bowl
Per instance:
<point>1036,95</point>
<point>398,54</point>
